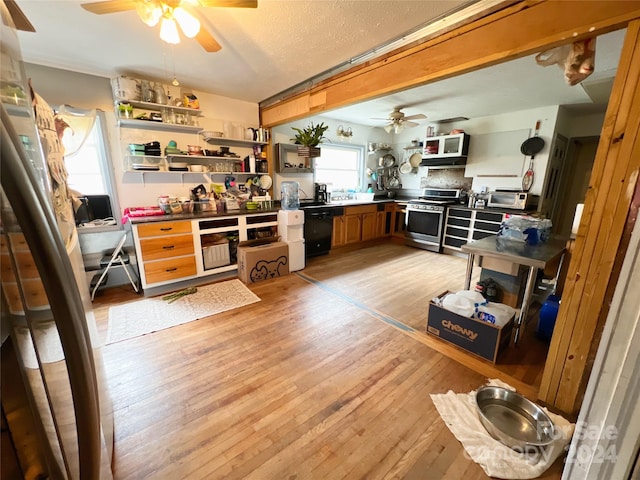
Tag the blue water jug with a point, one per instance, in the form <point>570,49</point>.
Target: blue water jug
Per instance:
<point>547,318</point>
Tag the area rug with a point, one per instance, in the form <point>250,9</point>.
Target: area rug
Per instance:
<point>150,315</point>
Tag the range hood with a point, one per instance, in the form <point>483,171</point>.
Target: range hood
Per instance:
<point>444,162</point>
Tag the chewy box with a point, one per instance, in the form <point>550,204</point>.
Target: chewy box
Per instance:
<point>262,259</point>
<point>480,338</point>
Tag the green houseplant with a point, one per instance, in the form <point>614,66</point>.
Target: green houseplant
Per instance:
<point>309,138</point>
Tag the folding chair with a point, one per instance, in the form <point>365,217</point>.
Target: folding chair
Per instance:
<point>117,258</point>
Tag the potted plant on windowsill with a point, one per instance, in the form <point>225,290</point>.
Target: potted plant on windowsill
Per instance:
<point>309,138</point>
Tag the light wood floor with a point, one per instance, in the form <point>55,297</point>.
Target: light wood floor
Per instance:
<point>328,376</point>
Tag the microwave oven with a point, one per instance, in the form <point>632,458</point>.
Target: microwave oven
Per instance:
<point>512,200</point>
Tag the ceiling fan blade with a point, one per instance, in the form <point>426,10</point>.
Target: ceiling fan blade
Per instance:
<point>206,40</point>
<point>229,3</point>
<point>109,6</point>
<point>418,116</point>
<point>380,118</point>
<point>20,20</point>
<point>409,124</point>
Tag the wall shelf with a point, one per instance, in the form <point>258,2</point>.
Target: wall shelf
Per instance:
<point>158,107</point>
<point>232,142</point>
<point>151,125</point>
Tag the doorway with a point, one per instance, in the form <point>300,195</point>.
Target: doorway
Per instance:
<point>575,182</point>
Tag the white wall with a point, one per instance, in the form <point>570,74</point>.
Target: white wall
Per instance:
<point>362,135</point>
<point>135,189</point>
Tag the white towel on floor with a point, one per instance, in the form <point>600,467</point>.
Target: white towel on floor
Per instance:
<point>459,412</point>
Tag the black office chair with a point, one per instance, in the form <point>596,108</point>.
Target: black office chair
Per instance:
<point>117,258</point>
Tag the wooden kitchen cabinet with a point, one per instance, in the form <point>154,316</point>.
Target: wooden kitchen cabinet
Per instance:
<point>369,223</point>
<point>165,251</point>
<point>398,226</point>
<point>385,220</point>
<point>339,235</point>
<point>353,228</point>
<point>158,248</point>
<point>381,223</point>
<point>362,223</point>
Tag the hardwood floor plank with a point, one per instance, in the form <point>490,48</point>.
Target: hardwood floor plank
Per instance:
<point>328,376</point>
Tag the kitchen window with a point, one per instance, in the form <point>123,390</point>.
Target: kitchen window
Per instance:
<point>340,165</point>
<point>87,159</point>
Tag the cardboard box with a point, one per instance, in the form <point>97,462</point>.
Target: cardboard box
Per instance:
<point>480,338</point>
<point>262,259</point>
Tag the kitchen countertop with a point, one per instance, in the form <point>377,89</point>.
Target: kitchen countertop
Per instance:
<point>530,255</point>
<point>496,210</point>
<point>232,213</point>
<point>200,215</point>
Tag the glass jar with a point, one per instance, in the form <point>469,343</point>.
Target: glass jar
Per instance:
<point>289,195</point>
<point>146,92</point>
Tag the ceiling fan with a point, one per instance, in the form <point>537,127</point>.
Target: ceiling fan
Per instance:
<point>20,20</point>
<point>398,120</point>
<point>170,14</point>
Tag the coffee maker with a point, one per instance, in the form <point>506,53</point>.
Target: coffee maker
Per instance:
<point>320,195</point>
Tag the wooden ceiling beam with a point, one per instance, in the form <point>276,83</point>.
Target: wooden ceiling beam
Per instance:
<point>517,30</point>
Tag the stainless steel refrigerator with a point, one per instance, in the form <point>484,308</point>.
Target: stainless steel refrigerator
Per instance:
<point>46,311</point>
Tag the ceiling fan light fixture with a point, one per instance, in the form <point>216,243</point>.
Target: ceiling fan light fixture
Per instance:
<point>149,11</point>
<point>169,31</point>
<point>188,23</point>
<point>388,128</point>
<point>397,128</point>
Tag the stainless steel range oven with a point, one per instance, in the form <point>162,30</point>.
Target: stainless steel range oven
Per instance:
<point>424,220</point>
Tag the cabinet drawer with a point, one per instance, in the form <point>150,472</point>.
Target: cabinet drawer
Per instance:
<point>163,228</point>
<point>489,227</point>
<point>458,222</point>
<point>456,212</point>
<point>489,216</point>
<point>34,296</point>
<point>164,247</point>
<point>172,269</point>
<point>360,209</point>
<point>478,235</point>
<point>454,242</point>
<point>457,232</point>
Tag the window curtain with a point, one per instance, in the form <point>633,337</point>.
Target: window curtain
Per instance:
<point>78,124</point>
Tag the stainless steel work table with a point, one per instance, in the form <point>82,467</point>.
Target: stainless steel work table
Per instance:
<point>533,256</point>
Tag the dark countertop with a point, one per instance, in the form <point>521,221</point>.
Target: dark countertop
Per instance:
<point>200,215</point>
<point>243,211</point>
<point>495,210</point>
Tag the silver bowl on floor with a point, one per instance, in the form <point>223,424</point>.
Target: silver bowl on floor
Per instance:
<point>512,419</point>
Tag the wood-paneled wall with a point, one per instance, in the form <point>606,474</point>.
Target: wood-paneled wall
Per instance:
<point>515,31</point>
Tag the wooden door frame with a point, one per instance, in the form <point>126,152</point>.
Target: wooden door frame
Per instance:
<point>515,31</point>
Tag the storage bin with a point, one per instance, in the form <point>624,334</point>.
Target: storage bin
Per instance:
<point>216,256</point>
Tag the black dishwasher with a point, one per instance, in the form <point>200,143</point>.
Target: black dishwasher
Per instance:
<point>318,226</point>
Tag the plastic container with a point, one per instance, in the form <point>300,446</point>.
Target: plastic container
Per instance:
<point>495,313</point>
<point>547,317</point>
<point>290,196</point>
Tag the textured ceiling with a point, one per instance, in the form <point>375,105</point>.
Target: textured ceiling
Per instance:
<point>285,42</point>
<point>511,86</point>
<point>264,50</point>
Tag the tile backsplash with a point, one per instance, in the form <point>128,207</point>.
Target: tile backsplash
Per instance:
<point>446,178</point>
